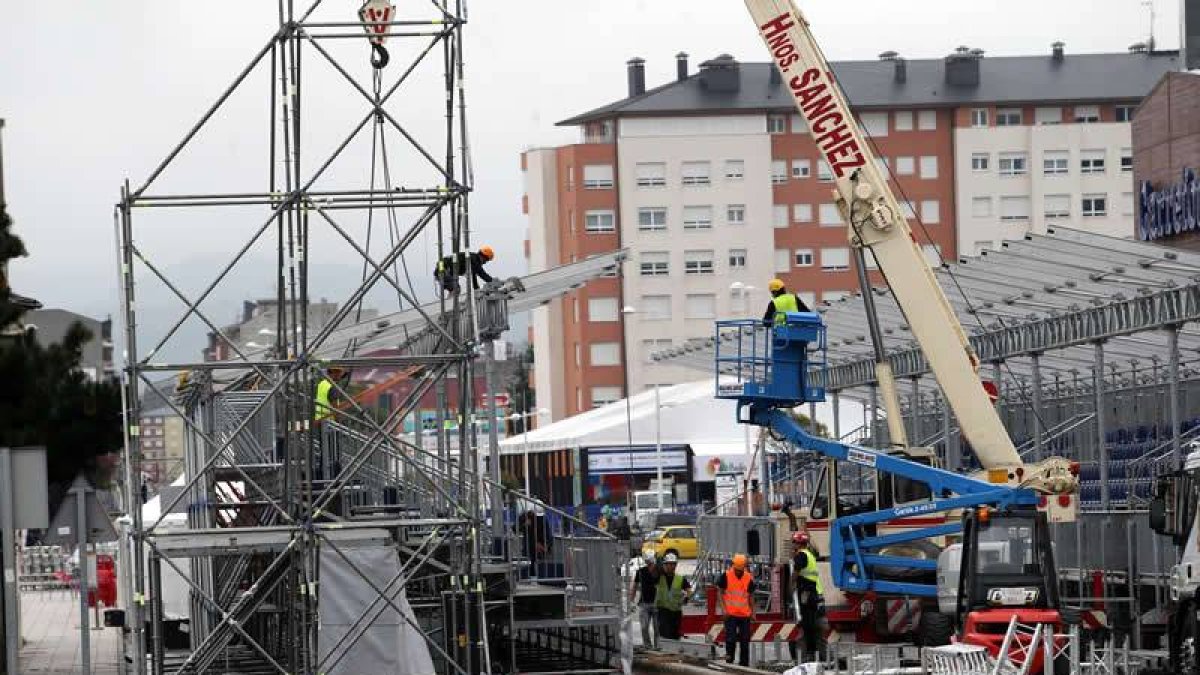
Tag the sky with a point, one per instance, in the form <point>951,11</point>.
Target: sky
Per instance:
<point>94,93</point>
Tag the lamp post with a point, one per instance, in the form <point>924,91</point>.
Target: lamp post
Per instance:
<point>744,294</point>
<point>627,311</point>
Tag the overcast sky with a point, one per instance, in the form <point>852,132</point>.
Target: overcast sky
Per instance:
<point>96,92</point>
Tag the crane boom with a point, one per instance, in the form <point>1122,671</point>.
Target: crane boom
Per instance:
<point>876,221</point>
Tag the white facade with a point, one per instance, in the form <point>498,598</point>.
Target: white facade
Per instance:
<point>696,210</point>
<point>1068,169</point>
<point>542,191</point>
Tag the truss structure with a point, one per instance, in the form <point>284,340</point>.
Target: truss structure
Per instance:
<point>275,497</point>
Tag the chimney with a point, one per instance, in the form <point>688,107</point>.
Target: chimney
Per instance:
<point>1138,48</point>
<point>681,66</point>
<point>776,78</point>
<point>637,76</point>
<point>1056,50</point>
<point>962,67</point>
<point>722,74</point>
<point>900,66</point>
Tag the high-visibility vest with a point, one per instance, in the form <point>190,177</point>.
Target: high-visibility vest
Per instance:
<point>323,409</point>
<point>737,593</point>
<point>669,597</point>
<point>784,303</point>
<point>810,573</point>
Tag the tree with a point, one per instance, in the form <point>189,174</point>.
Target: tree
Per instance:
<point>47,400</point>
<point>521,396</point>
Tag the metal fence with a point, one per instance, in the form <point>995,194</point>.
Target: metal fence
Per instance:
<point>592,569</point>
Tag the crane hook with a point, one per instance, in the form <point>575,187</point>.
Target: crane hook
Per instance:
<point>379,56</point>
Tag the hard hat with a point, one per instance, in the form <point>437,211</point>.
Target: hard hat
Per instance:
<point>487,252</point>
<point>775,285</point>
<point>739,562</point>
<point>648,556</point>
<point>670,559</point>
<point>800,538</point>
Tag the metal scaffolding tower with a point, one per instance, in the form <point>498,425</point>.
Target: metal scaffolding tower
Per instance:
<point>284,501</point>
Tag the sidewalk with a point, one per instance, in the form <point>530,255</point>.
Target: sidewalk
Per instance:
<point>50,628</point>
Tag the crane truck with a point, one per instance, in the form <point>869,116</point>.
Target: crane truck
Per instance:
<point>1173,514</point>
<point>1007,565</point>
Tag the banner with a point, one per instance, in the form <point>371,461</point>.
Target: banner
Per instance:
<point>638,460</point>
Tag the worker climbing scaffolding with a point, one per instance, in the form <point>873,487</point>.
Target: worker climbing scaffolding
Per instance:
<point>451,267</point>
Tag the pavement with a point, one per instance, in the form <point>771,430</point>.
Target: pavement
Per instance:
<point>50,630</point>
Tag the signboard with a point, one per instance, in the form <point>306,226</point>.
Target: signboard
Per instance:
<point>707,469</point>
<point>727,485</point>
<point>1171,210</point>
<point>636,460</point>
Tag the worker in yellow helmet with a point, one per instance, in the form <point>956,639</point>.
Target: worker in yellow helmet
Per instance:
<point>451,267</point>
<point>781,303</point>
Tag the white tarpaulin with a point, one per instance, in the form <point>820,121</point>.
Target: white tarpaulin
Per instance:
<point>389,645</point>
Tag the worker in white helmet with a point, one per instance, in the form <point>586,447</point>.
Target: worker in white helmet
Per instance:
<point>645,584</point>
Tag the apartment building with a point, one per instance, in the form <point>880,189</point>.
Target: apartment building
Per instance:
<point>714,185</point>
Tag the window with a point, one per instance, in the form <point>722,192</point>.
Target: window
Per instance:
<point>1054,163</point>
<point>904,120</point>
<point>1047,116</point>
<point>570,178</point>
<point>650,174</point>
<point>571,219</point>
<point>597,176</point>
<point>700,306</point>
<point>779,173</point>
<point>652,218</point>
<point>1014,208</point>
<point>737,258</point>
<point>655,263</point>
<point>697,262</point>
<point>801,168</point>
<point>602,396</point>
<point>980,161</point>
<point>1091,161</point>
<point>910,210</point>
<point>1057,206</point>
<point>575,309</point>
<point>776,124</point>
<point>656,307</point>
<point>929,167</point>
<point>931,212</point>
<point>649,347</point>
<point>1127,203</point>
<point>602,309</point>
<point>578,398</point>
<point>824,173</point>
<point>1126,159</point>
<point>835,259</point>
<point>735,169</point>
<point>927,120</point>
<point>802,213</point>
<point>829,215</point>
<point>783,260</point>
<point>599,221</point>
<point>696,173</point>
<point>804,257</point>
<point>981,207</point>
<point>933,254</point>
<point>779,219</point>
<point>1087,114</point>
<point>1012,164</point>
<point>1124,113</point>
<point>905,166</point>
<point>578,355</point>
<point>979,117</point>
<point>735,214</point>
<point>604,354</point>
<point>697,217</point>
<point>875,123</point>
<point>1008,117</point>
<point>1095,205</point>
<point>799,126</point>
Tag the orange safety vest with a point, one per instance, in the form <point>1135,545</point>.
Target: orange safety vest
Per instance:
<point>737,594</point>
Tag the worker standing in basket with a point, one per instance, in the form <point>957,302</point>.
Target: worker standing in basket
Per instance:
<point>736,602</point>
<point>810,598</point>
<point>453,266</point>
<point>646,581</point>
<point>668,598</point>
<point>781,303</point>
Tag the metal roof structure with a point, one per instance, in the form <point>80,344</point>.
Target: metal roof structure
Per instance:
<point>872,84</point>
<point>1038,306</point>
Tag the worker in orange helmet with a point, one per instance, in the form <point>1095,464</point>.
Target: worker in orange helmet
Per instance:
<point>736,602</point>
<point>451,267</point>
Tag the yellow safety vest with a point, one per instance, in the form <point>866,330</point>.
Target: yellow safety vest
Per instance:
<point>810,573</point>
<point>784,303</point>
<point>323,410</point>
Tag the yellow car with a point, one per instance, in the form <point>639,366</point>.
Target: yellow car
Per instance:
<point>678,539</point>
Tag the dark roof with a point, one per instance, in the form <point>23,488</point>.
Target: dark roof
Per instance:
<point>870,84</point>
